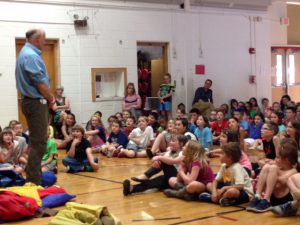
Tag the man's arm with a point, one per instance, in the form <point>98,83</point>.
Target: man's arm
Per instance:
<point>196,97</point>
<point>44,90</point>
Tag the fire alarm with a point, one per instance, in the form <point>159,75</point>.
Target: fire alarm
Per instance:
<point>284,21</point>
<point>252,79</point>
<point>251,50</point>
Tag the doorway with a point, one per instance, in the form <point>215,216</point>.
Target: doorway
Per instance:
<point>285,72</point>
<point>152,65</point>
<point>50,57</point>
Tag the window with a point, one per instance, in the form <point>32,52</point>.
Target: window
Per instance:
<point>291,69</point>
<point>279,70</point>
<point>108,83</point>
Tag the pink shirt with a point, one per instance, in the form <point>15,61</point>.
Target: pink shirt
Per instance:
<point>245,162</point>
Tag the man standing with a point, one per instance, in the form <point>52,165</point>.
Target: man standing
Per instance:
<point>204,93</point>
<point>33,83</point>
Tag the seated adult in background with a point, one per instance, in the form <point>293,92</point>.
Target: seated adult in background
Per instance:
<point>204,94</point>
<point>63,107</point>
<point>203,98</point>
<point>132,101</point>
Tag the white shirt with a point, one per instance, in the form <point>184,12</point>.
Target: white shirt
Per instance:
<point>142,136</point>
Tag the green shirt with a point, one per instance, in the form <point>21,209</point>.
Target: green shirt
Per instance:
<point>51,150</point>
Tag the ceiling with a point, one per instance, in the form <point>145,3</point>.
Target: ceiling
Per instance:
<point>261,5</point>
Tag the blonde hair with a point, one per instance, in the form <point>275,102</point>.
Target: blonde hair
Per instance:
<point>195,152</point>
<point>98,118</point>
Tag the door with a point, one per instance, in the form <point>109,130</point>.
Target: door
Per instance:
<point>285,72</point>
<point>152,65</point>
<point>50,57</point>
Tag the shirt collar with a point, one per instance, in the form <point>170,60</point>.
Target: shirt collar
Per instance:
<point>38,51</point>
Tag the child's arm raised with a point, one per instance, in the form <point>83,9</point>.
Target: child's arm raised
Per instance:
<point>71,152</point>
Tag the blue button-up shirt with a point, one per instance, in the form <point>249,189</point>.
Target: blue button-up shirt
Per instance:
<point>30,71</point>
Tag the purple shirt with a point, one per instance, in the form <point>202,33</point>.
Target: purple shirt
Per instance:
<point>205,175</point>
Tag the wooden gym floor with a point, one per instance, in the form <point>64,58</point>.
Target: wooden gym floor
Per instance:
<point>105,188</point>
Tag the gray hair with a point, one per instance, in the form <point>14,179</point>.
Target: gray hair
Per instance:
<point>34,33</point>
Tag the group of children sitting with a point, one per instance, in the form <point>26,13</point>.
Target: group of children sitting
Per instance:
<point>181,148</point>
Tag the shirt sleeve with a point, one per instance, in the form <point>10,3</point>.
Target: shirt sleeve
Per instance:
<point>219,176</point>
<point>53,148</point>
<point>208,135</point>
<point>36,68</point>
<point>238,174</point>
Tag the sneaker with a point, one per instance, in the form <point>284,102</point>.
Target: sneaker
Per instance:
<point>149,153</point>
<point>170,192</point>
<point>253,203</point>
<point>205,197</point>
<point>69,169</point>
<point>286,209</point>
<point>263,206</point>
<point>88,168</point>
<point>126,187</point>
<point>227,201</point>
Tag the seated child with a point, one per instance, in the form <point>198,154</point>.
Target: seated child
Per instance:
<point>217,127</point>
<point>20,137</point>
<point>232,136</point>
<point>273,179</point>
<point>232,185</point>
<point>126,114</point>
<point>49,162</point>
<point>11,157</point>
<point>203,133</point>
<point>163,121</point>
<point>119,115</point>
<point>96,135</point>
<point>254,131</point>
<point>153,121</point>
<point>194,173</point>
<point>168,163</point>
<point>271,143</point>
<point>79,153</point>
<point>66,130</point>
<point>290,208</point>
<point>139,140</point>
<point>162,140</point>
<point>193,117</point>
<point>116,141</point>
<point>130,125</point>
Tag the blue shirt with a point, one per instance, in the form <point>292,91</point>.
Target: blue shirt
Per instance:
<point>255,130</point>
<point>204,136</point>
<point>119,138</point>
<point>244,124</point>
<point>30,71</point>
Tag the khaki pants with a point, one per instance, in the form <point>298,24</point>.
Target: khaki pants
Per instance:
<point>204,107</point>
<point>36,113</point>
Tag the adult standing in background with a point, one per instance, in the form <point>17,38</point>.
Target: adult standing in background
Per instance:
<point>34,85</point>
<point>132,101</point>
<point>204,94</point>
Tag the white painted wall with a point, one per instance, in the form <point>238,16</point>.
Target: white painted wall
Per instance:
<point>223,35</point>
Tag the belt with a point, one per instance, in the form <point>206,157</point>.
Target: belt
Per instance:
<point>42,100</point>
<point>26,97</point>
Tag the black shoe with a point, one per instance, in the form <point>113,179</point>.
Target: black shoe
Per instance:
<point>126,187</point>
<point>149,153</point>
<point>136,179</point>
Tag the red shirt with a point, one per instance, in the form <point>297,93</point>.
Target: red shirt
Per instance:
<point>217,129</point>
